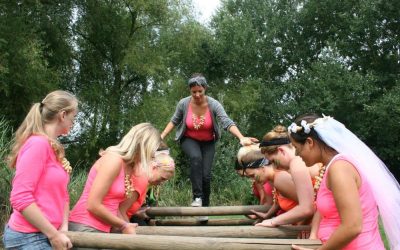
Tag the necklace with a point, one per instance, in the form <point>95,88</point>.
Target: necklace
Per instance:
<point>318,180</point>
<point>64,162</point>
<point>128,186</point>
<point>198,122</point>
<point>66,165</point>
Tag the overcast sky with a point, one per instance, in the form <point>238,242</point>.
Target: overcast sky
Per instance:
<point>205,8</point>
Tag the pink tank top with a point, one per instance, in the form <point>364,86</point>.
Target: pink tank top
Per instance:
<point>369,238</point>
<point>204,131</point>
<point>114,196</point>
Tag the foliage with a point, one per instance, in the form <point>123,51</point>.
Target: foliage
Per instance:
<point>5,172</point>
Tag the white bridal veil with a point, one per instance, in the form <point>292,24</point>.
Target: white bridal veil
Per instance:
<point>384,186</point>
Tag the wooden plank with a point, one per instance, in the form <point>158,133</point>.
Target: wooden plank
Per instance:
<point>204,211</point>
<point>196,222</point>
<point>161,242</point>
<point>288,232</point>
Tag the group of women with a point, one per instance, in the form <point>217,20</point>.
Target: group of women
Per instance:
<point>314,170</point>
<point>323,174</point>
<point>115,188</point>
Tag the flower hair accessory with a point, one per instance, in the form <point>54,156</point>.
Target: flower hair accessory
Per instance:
<point>293,128</point>
<point>306,127</point>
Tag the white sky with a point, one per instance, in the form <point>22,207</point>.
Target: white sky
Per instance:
<point>205,8</point>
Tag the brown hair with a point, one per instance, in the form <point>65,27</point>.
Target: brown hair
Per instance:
<point>278,132</point>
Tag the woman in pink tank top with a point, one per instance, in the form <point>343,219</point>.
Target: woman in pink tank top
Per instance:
<point>109,182</point>
<point>353,187</point>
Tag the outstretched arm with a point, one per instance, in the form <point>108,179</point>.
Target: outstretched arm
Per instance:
<point>244,141</point>
<point>170,126</point>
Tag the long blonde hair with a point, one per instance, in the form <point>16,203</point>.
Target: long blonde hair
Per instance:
<point>139,144</point>
<point>42,113</point>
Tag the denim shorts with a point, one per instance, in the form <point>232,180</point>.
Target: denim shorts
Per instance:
<point>24,241</point>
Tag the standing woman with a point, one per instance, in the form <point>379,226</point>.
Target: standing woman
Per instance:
<point>277,149</point>
<point>109,182</point>
<point>355,189</point>
<point>39,195</point>
<point>197,130</point>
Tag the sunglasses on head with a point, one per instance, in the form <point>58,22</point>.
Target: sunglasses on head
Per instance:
<point>200,80</point>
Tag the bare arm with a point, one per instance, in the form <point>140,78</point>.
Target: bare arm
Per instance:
<point>315,226</point>
<point>170,126</point>
<point>344,182</point>
<point>304,191</point>
<point>34,216</point>
<point>107,172</point>
<point>64,225</point>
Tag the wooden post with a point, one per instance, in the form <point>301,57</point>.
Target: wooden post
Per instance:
<point>288,232</point>
<point>160,242</point>
<point>205,211</point>
<point>195,222</point>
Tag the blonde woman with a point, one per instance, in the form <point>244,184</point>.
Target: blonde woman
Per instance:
<point>252,164</point>
<point>39,195</point>
<point>109,181</point>
<point>277,149</point>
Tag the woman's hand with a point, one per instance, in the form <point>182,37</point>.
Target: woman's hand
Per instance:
<point>60,241</point>
<point>130,228</point>
<point>259,215</point>
<point>141,213</point>
<point>266,223</point>
<point>246,141</point>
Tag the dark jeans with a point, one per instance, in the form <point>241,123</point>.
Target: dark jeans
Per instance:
<point>201,156</point>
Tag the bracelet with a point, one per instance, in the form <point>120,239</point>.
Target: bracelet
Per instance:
<point>124,226</point>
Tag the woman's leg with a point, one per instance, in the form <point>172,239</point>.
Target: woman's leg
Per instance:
<point>208,152</point>
<point>193,152</point>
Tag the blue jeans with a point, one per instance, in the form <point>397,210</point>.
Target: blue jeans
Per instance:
<point>24,241</point>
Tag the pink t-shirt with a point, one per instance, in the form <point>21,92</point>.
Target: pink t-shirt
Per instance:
<point>114,196</point>
<point>369,238</point>
<point>205,132</point>
<point>41,179</point>
<point>139,183</point>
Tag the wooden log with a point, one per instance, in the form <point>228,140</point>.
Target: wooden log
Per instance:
<point>195,222</point>
<point>204,211</point>
<point>288,232</point>
<point>161,242</point>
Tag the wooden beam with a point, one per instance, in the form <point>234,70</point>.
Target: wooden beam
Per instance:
<point>204,211</point>
<point>195,222</point>
<point>287,232</point>
<point>161,242</point>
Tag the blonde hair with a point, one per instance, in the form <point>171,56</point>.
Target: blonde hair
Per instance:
<point>139,144</point>
<point>42,113</point>
<point>165,162</point>
<point>249,153</point>
<point>278,132</point>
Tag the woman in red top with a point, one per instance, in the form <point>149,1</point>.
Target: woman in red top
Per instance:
<point>197,130</point>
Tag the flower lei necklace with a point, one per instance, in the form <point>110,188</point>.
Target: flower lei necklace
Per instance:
<point>318,180</point>
<point>64,162</point>
<point>128,186</point>
<point>198,122</point>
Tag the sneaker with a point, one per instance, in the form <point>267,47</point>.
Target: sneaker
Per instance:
<point>197,202</point>
<point>202,218</point>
